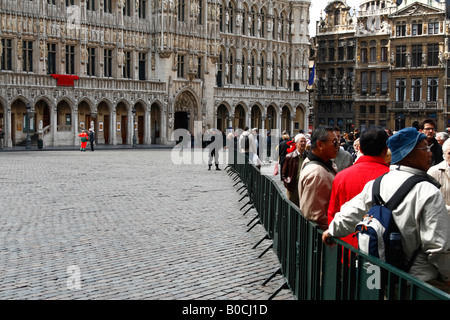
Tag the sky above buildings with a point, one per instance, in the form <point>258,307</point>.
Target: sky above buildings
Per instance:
<point>319,5</point>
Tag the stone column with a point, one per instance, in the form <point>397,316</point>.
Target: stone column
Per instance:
<point>148,126</point>
<point>131,131</point>
<point>75,125</point>
<point>8,132</point>
<point>292,124</point>
<point>54,123</point>
<point>113,126</point>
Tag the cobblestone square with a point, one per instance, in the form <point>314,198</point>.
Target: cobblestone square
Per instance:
<point>126,224</point>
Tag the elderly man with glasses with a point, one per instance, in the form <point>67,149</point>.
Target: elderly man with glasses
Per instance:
<point>317,174</point>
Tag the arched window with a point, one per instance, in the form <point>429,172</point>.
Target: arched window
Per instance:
<point>373,51</point>
<point>282,30</point>
<point>230,18</point>
<point>253,69</point>
<point>262,23</point>
<point>181,10</point>
<point>230,68</point>
<point>337,17</point>
<point>275,25</point>
<point>220,66</point>
<point>400,90</point>
<point>261,70</point>
<point>252,23</point>
<point>364,54</point>
<point>244,20</point>
<point>274,72</point>
<point>222,18</point>
<point>244,67</point>
<point>432,90</point>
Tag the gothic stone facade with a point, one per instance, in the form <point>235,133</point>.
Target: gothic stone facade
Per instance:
<point>400,66</point>
<point>335,61</point>
<point>144,68</point>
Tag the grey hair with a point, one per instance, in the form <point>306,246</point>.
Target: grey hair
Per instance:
<point>445,146</point>
<point>320,134</point>
<point>299,136</point>
<point>444,135</point>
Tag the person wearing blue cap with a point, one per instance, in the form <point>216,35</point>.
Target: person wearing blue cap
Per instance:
<point>421,218</point>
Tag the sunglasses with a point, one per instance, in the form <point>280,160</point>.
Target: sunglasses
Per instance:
<point>428,148</point>
<point>335,142</point>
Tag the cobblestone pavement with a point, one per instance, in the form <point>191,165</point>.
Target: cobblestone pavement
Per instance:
<point>126,224</point>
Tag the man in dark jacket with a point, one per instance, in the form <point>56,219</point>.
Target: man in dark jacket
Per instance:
<point>291,168</point>
<point>91,139</point>
<point>428,127</point>
<point>282,151</point>
<point>213,143</point>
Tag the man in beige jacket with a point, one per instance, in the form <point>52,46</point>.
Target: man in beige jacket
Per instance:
<point>317,174</point>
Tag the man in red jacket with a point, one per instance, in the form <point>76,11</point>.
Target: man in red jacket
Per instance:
<point>351,181</point>
<point>84,137</point>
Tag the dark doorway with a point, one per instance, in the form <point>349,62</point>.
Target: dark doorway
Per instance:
<point>106,125</point>
<point>13,131</point>
<point>181,120</point>
<point>141,129</point>
<point>46,116</point>
<point>124,129</point>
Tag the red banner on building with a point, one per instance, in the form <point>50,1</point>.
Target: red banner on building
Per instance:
<point>66,80</point>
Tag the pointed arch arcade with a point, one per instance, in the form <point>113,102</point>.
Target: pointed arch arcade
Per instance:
<point>186,111</point>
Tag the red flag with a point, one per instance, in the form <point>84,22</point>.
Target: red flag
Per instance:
<point>65,79</point>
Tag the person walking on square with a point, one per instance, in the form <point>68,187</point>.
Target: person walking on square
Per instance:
<point>84,139</point>
<point>213,145</point>
<point>91,138</point>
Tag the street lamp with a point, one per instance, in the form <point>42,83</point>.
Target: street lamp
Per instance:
<point>28,146</point>
<point>134,129</point>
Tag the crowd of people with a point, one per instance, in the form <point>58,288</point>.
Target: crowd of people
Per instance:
<point>330,175</point>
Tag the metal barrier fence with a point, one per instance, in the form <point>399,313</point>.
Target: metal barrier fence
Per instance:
<point>311,270</point>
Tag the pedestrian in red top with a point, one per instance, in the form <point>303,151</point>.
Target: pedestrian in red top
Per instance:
<point>351,181</point>
<point>84,139</point>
